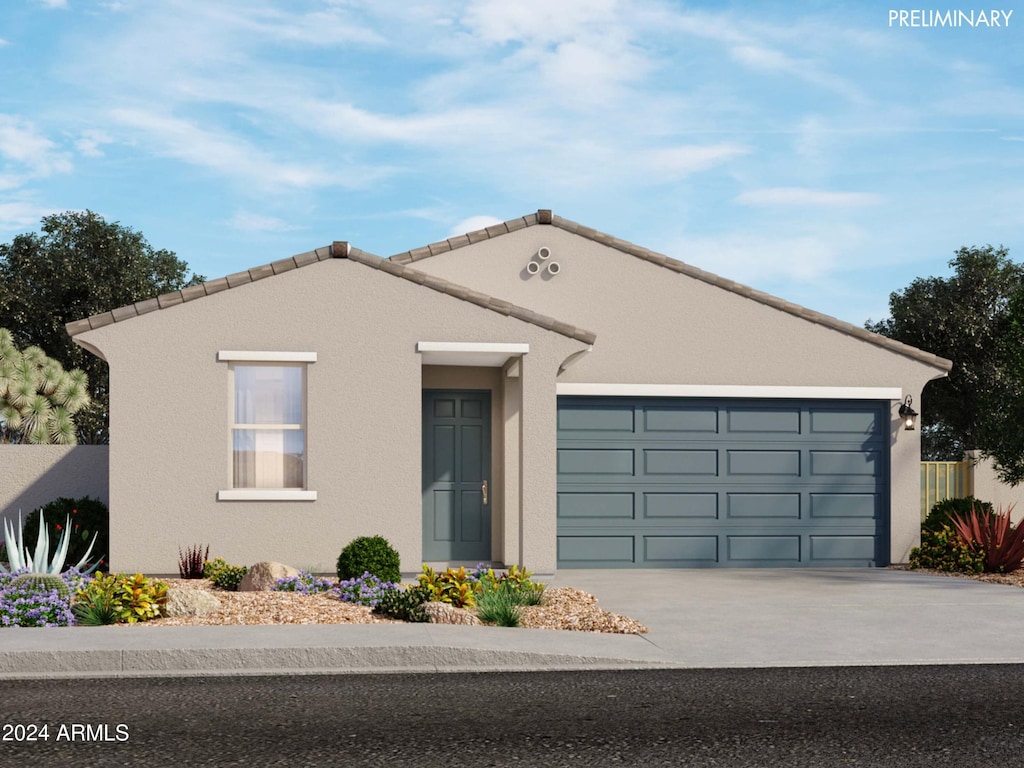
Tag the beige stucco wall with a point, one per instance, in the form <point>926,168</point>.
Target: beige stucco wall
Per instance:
<point>169,420</point>
<point>655,326</point>
<point>988,487</point>
<point>34,475</point>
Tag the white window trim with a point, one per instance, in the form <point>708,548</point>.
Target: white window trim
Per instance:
<point>730,390</point>
<point>265,494</point>
<point>266,357</point>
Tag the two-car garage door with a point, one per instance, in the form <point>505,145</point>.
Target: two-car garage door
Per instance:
<point>683,483</point>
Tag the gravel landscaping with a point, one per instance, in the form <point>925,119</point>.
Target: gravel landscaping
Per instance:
<point>564,608</point>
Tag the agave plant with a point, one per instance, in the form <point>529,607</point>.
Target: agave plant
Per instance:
<point>40,561</point>
<point>994,536</point>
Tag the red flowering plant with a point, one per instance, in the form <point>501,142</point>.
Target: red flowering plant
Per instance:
<point>90,520</point>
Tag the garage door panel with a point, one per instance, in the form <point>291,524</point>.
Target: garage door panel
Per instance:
<point>760,506</point>
<point>846,463</point>
<point>680,462</point>
<point>779,463</point>
<point>600,506</point>
<point>582,550</point>
<point>776,549</point>
<point>590,461</point>
<point>833,548</point>
<point>612,418</point>
<point>764,420</point>
<point>686,420</point>
<point>838,421</point>
<point>675,550</point>
<point>843,505</point>
<point>680,505</point>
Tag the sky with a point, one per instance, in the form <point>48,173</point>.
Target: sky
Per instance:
<point>818,151</point>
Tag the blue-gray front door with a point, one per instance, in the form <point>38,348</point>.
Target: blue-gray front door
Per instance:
<point>670,483</point>
<point>456,475</point>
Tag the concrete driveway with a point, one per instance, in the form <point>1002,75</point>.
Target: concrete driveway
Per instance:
<point>785,617</point>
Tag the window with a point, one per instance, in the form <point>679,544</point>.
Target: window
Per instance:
<point>268,427</point>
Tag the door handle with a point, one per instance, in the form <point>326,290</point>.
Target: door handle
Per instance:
<point>483,489</point>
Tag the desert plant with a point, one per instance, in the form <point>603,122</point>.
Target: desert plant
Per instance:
<point>191,562</point>
<point>134,598</point>
<point>365,590</point>
<point>944,550</point>
<point>992,536</point>
<point>29,604</point>
<point>38,398</point>
<point>304,584</point>
<point>403,604</point>
<point>44,582</point>
<point>90,522</point>
<point>224,575</point>
<point>369,554</point>
<point>95,609</point>
<point>499,606</point>
<point>942,511</point>
<point>40,561</point>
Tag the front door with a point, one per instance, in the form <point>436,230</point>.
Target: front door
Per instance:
<point>456,475</point>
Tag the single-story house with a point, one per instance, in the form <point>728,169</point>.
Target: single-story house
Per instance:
<point>536,392</point>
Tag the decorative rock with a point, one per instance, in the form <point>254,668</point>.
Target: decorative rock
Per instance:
<point>189,602</point>
<point>442,613</point>
<point>261,577</point>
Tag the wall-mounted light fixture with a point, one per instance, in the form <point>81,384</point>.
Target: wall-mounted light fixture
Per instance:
<point>908,414</point>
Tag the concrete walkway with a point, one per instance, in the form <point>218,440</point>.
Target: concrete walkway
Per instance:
<point>720,618</point>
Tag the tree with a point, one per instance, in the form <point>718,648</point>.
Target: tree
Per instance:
<point>1004,402</point>
<point>964,318</point>
<point>80,265</point>
<point>38,398</point>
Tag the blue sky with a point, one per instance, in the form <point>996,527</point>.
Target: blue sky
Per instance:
<point>809,149</point>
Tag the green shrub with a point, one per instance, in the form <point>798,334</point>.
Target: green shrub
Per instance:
<point>944,550</point>
<point>369,554</point>
<point>942,512</point>
<point>130,599</point>
<point>89,518</point>
<point>403,604</point>
<point>224,575</point>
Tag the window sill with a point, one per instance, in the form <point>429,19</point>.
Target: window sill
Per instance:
<point>266,494</point>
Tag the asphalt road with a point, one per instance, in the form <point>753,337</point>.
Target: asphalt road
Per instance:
<point>852,716</point>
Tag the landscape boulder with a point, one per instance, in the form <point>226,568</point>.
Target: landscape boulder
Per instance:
<point>189,602</point>
<point>442,613</point>
<point>262,577</point>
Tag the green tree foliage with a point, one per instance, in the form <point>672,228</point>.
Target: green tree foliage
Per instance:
<point>1005,401</point>
<point>38,398</point>
<point>80,265</point>
<point>965,318</point>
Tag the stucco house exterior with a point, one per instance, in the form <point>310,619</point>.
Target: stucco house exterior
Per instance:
<point>537,392</point>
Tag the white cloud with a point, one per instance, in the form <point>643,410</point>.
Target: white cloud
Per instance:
<point>537,21</point>
<point>90,142</point>
<point>472,224</point>
<point>254,222</point>
<point>799,196</point>
<point>19,216</point>
<point>53,3</point>
<point>21,143</point>
<point>223,153</point>
<point>677,162</point>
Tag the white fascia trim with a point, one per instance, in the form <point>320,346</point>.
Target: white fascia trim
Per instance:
<point>730,390</point>
<point>485,347</point>
<point>266,357</point>
<point>266,494</point>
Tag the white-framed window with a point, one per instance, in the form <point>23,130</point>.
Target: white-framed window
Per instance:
<point>268,426</point>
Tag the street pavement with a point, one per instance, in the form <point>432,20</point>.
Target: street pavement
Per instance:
<point>696,619</point>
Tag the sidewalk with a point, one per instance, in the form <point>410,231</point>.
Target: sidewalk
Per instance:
<point>719,618</point>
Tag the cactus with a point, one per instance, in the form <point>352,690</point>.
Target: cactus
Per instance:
<point>44,581</point>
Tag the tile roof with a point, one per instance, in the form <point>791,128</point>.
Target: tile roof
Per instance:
<point>545,216</point>
<point>338,250</point>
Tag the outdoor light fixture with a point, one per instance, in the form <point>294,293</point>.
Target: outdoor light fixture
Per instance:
<point>907,413</point>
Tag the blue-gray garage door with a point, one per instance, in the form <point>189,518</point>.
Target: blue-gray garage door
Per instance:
<point>692,483</point>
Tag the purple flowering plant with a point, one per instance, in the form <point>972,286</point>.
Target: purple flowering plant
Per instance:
<point>29,605</point>
<point>304,584</point>
<point>364,590</point>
